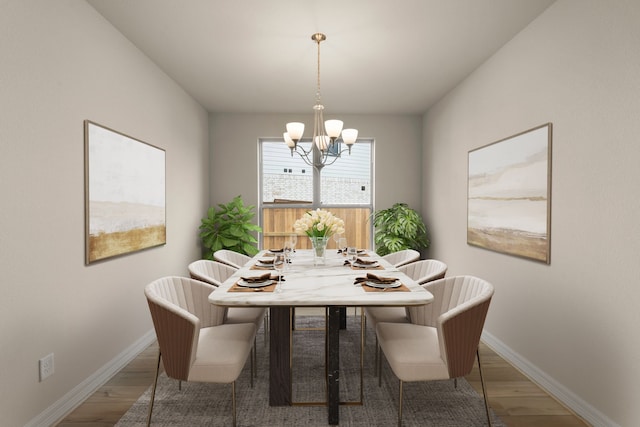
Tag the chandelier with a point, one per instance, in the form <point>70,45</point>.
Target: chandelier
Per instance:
<point>325,143</point>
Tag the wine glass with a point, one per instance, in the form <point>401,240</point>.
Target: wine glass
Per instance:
<point>279,262</point>
<point>352,255</point>
<point>342,244</point>
<point>336,238</point>
<point>287,249</point>
<point>293,238</point>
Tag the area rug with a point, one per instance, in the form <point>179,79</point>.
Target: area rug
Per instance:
<point>436,403</point>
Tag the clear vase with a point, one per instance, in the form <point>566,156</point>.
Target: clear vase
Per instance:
<point>319,245</point>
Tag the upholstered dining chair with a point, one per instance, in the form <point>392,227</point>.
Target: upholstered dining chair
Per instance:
<point>443,343</point>
<point>194,343</point>
<point>402,257</point>
<point>422,271</point>
<point>232,258</point>
<point>215,273</point>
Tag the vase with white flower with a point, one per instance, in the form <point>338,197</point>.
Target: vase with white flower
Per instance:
<point>319,225</point>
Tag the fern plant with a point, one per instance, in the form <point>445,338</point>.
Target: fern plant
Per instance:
<point>398,228</point>
<point>230,227</point>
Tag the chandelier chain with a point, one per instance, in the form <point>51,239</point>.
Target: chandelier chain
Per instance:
<point>318,96</point>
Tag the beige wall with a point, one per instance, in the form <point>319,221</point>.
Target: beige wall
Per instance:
<point>63,63</point>
<point>571,324</point>
<point>234,153</point>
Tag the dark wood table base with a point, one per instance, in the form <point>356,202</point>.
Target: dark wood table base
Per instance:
<point>280,359</point>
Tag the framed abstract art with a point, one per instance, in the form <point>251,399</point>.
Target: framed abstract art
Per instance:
<point>124,194</point>
<point>509,195</point>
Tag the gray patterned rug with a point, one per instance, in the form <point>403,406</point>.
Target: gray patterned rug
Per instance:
<point>435,403</point>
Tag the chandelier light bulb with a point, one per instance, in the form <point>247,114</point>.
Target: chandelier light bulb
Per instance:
<point>333,128</point>
<point>295,131</point>
<point>288,140</point>
<point>322,142</point>
<point>349,136</point>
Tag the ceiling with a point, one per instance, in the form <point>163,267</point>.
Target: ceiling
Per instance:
<point>380,56</point>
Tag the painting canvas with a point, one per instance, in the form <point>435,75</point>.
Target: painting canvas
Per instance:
<point>509,190</point>
<point>124,194</point>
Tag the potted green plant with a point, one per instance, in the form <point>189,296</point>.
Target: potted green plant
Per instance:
<point>230,227</point>
<point>398,228</point>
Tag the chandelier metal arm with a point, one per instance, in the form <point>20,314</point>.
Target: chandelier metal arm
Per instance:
<point>304,155</point>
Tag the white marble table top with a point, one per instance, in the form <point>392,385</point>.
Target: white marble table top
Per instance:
<point>327,285</point>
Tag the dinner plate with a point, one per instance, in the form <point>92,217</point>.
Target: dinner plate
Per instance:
<point>260,263</point>
<point>262,284</point>
<point>361,265</point>
<point>378,285</point>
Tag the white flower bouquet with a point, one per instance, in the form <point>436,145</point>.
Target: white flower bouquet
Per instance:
<point>319,223</point>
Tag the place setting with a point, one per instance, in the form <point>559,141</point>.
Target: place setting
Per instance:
<point>263,264</point>
<point>363,264</point>
<point>375,283</point>
<point>264,283</point>
<point>267,282</point>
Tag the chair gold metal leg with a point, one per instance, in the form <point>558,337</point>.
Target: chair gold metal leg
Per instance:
<point>252,356</point>
<point>379,357</point>
<point>153,391</point>
<point>400,405</point>
<point>484,390</point>
<point>364,319</point>
<point>233,402</point>
<point>265,327</point>
<point>362,335</point>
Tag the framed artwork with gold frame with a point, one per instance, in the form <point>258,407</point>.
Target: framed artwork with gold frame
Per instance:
<point>509,195</point>
<point>124,194</point>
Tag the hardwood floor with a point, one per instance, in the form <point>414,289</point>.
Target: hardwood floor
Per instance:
<point>516,400</point>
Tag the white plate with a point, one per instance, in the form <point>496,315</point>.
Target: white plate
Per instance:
<point>359,265</point>
<point>262,284</point>
<point>264,264</point>
<point>395,284</point>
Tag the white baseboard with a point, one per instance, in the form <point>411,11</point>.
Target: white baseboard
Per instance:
<point>67,403</point>
<point>551,386</point>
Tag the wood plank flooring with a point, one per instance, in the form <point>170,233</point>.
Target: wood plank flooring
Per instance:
<point>515,399</point>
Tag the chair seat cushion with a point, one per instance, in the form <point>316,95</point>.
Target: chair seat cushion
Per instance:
<point>222,352</point>
<point>253,315</point>
<point>377,315</point>
<point>413,351</point>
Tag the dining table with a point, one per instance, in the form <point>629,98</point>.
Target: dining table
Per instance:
<point>333,284</point>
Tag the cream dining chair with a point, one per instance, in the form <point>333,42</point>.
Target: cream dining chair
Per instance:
<point>422,271</point>
<point>442,343</point>
<point>215,273</point>
<point>402,257</point>
<point>194,343</point>
<point>232,258</point>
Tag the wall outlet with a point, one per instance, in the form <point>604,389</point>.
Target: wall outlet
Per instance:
<point>46,367</point>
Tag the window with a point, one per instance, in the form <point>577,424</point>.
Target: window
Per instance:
<point>289,188</point>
